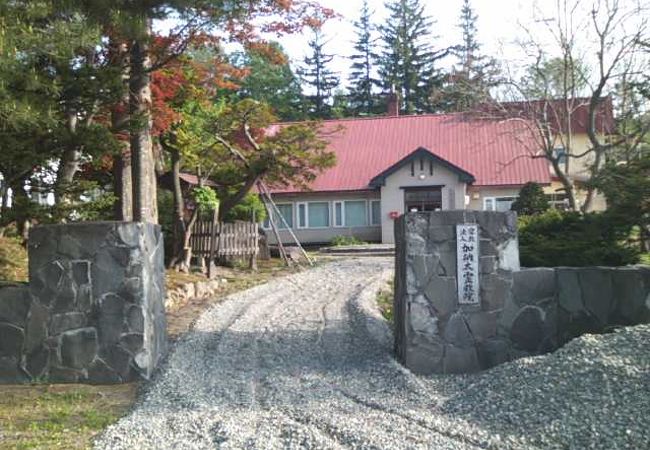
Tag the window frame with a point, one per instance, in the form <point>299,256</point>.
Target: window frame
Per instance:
<point>561,154</point>
<point>343,222</point>
<point>342,215</point>
<point>495,199</point>
<point>307,225</point>
<point>306,207</point>
<point>345,225</point>
<point>370,222</point>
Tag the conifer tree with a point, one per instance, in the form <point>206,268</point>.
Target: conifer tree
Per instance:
<point>271,81</point>
<point>316,73</point>
<point>408,58</point>
<point>362,80</point>
<point>469,84</point>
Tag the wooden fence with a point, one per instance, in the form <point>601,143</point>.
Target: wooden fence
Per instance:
<point>238,239</point>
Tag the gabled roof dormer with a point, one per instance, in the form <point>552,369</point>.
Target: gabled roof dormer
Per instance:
<point>421,152</point>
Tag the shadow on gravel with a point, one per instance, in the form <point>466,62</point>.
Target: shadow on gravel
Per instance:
<point>548,400</point>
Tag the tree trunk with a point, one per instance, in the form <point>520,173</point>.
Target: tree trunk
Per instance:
<point>4,206</point>
<point>69,164</point>
<point>122,177</point>
<point>232,201</point>
<point>591,191</point>
<point>142,159</point>
<point>123,186</point>
<point>566,184</point>
<point>180,226</point>
<point>187,248</point>
<point>20,201</point>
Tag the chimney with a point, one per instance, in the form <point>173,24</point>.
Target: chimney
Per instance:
<point>392,105</point>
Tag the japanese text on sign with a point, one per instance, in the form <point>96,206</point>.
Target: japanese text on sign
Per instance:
<point>467,241</point>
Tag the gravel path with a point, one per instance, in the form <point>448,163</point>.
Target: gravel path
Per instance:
<point>305,362</point>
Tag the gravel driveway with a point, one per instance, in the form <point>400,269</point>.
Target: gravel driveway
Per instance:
<point>305,362</point>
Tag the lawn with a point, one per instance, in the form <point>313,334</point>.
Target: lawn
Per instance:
<point>59,416</point>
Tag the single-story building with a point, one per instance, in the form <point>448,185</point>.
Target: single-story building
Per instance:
<point>390,165</point>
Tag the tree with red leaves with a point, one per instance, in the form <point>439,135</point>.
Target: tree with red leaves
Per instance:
<point>226,142</point>
<point>130,26</point>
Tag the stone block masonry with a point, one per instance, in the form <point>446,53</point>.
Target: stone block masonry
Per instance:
<point>519,312</point>
<point>93,310</point>
<point>435,332</point>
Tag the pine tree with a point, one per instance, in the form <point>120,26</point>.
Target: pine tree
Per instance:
<point>272,81</point>
<point>407,60</point>
<point>362,81</point>
<point>323,81</point>
<point>470,84</point>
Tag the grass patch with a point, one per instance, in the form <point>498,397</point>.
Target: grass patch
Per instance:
<point>59,416</point>
<point>385,301</point>
<point>345,241</point>
<point>13,260</point>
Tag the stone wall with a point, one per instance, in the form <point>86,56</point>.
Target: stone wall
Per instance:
<point>93,310</point>
<point>552,306</point>
<point>521,312</point>
<point>434,332</point>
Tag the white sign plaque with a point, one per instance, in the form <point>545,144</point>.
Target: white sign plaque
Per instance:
<point>467,242</point>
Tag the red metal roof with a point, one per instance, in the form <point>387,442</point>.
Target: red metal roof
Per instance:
<point>495,152</point>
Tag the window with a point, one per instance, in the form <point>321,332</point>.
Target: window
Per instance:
<point>314,215</point>
<point>302,215</point>
<point>375,212</point>
<point>558,201</point>
<point>338,214</point>
<point>286,211</point>
<point>498,203</point>
<point>318,215</point>
<point>560,154</point>
<point>355,213</point>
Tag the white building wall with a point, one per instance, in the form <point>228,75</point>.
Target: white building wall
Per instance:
<point>308,236</point>
<point>392,193</point>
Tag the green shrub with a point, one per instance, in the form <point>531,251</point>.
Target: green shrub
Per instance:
<point>244,210</point>
<point>557,238</point>
<point>343,241</point>
<point>531,200</point>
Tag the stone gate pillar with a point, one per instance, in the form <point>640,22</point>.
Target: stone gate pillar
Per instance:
<point>95,303</point>
<point>454,273</point>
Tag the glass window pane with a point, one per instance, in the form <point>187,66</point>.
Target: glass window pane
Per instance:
<point>287,212</point>
<point>489,204</point>
<point>302,216</point>
<point>319,215</point>
<point>355,214</point>
<point>375,212</point>
<point>504,203</point>
<point>338,214</point>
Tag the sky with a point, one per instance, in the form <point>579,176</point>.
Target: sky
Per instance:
<point>501,25</point>
<point>498,26</point>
